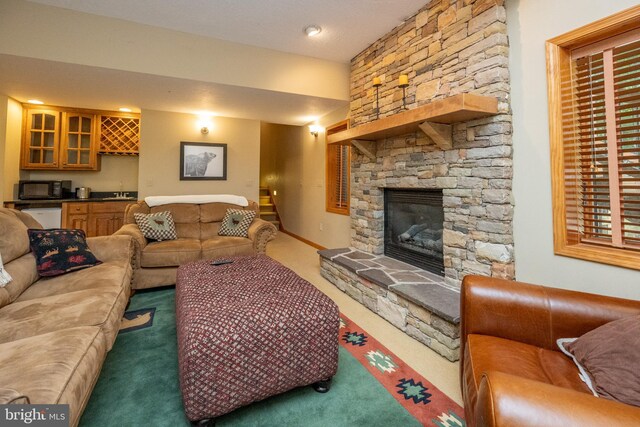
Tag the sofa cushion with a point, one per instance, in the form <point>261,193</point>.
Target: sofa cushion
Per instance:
<point>487,353</point>
<point>42,315</point>
<point>171,253</point>
<point>60,251</point>
<point>609,359</point>
<point>156,226</point>
<point>108,275</point>
<point>14,240</point>
<point>65,374</point>
<point>24,273</point>
<point>222,246</point>
<point>214,212</point>
<point>186,218</point>
<point>236,222</point>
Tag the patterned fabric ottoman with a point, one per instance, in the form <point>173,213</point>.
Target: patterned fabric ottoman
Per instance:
<point>249,330</point>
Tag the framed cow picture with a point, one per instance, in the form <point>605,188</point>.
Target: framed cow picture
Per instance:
<point>203,160</point>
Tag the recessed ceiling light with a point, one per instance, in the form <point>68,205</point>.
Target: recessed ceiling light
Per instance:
<point>35,101</point>
<point>125,110</point>
<point>312,30</point>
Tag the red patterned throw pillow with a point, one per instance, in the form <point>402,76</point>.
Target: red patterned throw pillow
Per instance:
<point>60,251</point>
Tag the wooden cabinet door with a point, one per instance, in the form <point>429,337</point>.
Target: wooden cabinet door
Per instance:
<point>78,221</point>
<point>78,145</point>
<point>76,215</point>
<point>40,139</point>
<point>106,218</point>
<point>100,224</point>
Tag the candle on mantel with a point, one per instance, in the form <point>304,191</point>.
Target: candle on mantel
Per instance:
<point>377,81</point>
<point>403,80</point>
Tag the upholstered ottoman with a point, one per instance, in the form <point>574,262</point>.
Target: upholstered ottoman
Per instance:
<point>248,330</point>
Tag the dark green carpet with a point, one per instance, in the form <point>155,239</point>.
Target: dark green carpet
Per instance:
<point>139,386</point>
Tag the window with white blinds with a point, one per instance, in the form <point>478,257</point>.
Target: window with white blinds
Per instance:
<point>594,110</point>
<point>338,171</point>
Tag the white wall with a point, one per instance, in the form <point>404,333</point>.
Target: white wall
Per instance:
<point>159,165</point>
<point>530,24</point>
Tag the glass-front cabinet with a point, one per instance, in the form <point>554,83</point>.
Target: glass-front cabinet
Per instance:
<point>41,139</point>
<point>58,139</point>
<point>78,145</point>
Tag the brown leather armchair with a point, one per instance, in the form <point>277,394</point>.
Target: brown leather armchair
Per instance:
<point>512,372</point>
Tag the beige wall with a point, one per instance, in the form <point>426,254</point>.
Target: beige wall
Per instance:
<point>81,38</point>
<point>159,166</point>
<point>10,139</point>
<point>300,183</point>
<point>3,136</point>
<point>530,23</point>
<point>270,134</point>
<point>117,173</point>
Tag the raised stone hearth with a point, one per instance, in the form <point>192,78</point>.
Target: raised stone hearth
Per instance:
<point>413,300</point>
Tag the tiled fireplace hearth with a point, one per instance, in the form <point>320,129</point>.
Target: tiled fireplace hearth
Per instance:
<point>448,48</point>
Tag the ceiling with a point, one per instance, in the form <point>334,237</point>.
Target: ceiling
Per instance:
<point>348,27</point>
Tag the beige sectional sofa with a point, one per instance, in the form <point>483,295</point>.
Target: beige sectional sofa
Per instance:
<point>197,225</point>
<point>57,331</point>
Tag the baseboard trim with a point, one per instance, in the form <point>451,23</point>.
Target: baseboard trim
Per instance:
<point>302,239</point>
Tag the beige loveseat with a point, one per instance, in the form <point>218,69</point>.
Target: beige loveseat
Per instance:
<point>57,331</point>
<point>197,225</point>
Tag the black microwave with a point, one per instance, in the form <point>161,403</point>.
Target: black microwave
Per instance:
<point>44,189</point>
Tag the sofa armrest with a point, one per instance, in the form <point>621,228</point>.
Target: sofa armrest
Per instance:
<point>533,314</point>
<point>508,400</point>
<point>261,232</point>
<point>111,248</point>
<point>139,241</point>
<point>9,395</point>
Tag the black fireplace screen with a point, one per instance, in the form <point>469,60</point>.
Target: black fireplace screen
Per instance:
<point>413,223</point>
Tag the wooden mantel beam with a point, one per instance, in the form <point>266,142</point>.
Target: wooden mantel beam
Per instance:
<point>454,109</point>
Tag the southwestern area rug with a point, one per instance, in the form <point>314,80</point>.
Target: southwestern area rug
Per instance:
<point>139,382</point>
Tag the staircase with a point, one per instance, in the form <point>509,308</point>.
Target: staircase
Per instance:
<point>268,210</point>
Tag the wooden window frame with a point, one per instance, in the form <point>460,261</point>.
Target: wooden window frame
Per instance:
<point>559,51</point>
<point>330,170</point>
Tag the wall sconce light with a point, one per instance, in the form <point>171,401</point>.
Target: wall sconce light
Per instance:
<point>403,82</point>
<point>204,123</point>
<point>314,130</point>
<point>377,83</point>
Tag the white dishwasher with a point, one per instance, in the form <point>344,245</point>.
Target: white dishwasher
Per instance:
<point>47,217</point>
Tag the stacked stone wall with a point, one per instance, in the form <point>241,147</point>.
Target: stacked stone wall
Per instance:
<point>448,47</point>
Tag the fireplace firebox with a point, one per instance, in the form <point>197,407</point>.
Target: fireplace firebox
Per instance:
<point>413,223</point>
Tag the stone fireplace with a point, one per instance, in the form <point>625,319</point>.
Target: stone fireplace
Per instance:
<point>413,223</point>
<point>449,47</point>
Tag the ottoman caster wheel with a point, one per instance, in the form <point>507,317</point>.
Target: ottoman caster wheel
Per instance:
<point>322,386</point>
<point>207,422</point>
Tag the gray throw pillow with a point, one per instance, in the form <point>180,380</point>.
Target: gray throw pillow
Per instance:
<point>236,222</point>
<point>156,226</point>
